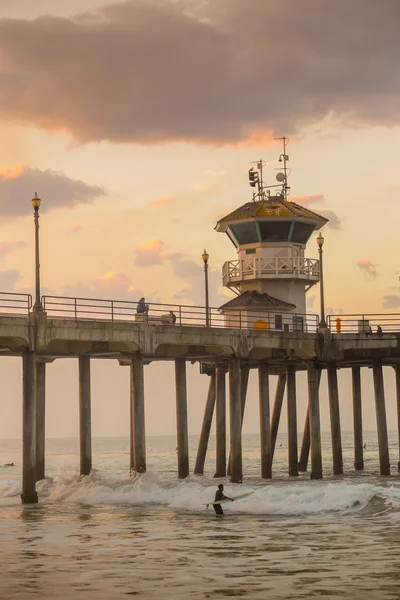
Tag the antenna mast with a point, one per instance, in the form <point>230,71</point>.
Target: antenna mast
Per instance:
<point>284,158</point>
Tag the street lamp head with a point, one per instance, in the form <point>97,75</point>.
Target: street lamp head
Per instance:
<point>320,240</point>
<point>36,201</point>
<point>205,256</point>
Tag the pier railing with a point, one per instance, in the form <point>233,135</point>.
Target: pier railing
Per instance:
<point>14,303</point>
<point>175,314</point>
<point>270,268</point>
<point>369,324</point>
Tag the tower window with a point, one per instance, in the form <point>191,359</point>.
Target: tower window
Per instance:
<point>301,232</point>
<point>278,321</point>
<point>246,233</point>
<point>275,231</point>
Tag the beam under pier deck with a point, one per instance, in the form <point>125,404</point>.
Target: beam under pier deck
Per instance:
<point>315,427</point>
<point>357,419</point>
<point>235,420</point>
<point>138,436</point>
<point>181,418</point>
<point>292,421</point>
<point>381,424</point>
<point>206,427</point>
<point>220,423</point>
<point>85,420</point>
<point>276,411</point>
<point>29,495</point>
<point>265,427</point>
<point>40,393</point>
<point>336,435</point>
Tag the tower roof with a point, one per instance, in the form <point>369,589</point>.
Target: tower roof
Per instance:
<point>256,300</point>
<point>275,208</point>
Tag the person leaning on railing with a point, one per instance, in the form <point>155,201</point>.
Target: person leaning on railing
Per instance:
<point>142,308</point>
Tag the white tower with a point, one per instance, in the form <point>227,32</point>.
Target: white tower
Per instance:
<point>271,274</point>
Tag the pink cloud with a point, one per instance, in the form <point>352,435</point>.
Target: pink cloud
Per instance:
<point>149,253</point>
<point>75,227</point>
<point>113,280</point>
<point>160,201</point>
<point>369,269</point>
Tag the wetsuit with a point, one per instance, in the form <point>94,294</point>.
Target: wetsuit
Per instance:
<point>217,507</point>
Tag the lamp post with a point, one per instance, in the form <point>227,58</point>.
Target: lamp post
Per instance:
<point>205,256</point>
<point>320,242</point>
<point>36,204</point>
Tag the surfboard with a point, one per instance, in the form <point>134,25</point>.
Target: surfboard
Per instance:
<point>234,498</point>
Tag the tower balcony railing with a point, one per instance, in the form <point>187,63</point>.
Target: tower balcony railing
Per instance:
<point>235,271</point>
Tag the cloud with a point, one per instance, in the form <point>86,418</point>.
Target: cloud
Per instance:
<point>8,279</point>
<point>113,281</point>
<point>75,227</point>
<point>391,301</point>
<point>368,268</point>
<point>150,71</point>
<point>334,222</point>
<point>160,201</point>
<point>18,184</point>
<point>7,247</point>
<point>149,253</point>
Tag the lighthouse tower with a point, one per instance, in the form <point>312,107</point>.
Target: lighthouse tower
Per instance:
<point>271,274</point>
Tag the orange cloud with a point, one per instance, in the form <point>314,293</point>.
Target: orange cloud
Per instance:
<point>113,280</point>
<point>369,269</point>
<point>149,253</point>
<point>12,172</point>
<point>75,227</point>
<point>160,201</point>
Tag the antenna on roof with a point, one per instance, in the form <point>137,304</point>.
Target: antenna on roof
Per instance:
<point>282,177</point>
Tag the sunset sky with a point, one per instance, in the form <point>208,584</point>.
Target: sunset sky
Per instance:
<point>136,123</point>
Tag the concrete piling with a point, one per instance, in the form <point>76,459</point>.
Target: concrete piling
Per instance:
<point>40,395</point>
<point>265,428</point>
<point>357,419</point>
<point>181,418</point>
<point>315,428</point>
<point>277,409</point>
<point>206,427</point>
<point>244,381</point>
<point>397,373</point>
<point>85,420</point>
<point>381,424</point>
<point>292,421</point>
<point>138,443</point>
<point>29,495</point>
<point>220,470</point>
<point>235,420</point>
<point>336,435</point>
<point>305,444</point>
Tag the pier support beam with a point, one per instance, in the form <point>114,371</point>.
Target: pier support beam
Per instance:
<point>29,495</point>
<point>381,418</point>
<point>181,418</point>
<point>305,444</point>
<point>315,427</point>
<point>276,411</point>
<point>85,420</point>
<point>40,394</point>
<point>206,427</point>
<point>220,423</point>
<point>244,381</point>
<point>397,372</point>
<point>235,420</point>
<point>265,428</point>
<point>291,421</point>
<point>357,419</point>
<point>138,436</point>
<point>336,435</point>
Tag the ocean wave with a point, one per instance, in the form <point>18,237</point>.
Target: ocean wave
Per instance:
<point>302,498</point>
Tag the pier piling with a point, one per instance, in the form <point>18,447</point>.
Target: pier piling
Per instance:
<point>265,428</point>
<point>138,444</point>
<point>181,418</point>
<point>85,421</point>
<point>235,421</point>
<point>206,427</point>
<point>29,495</point>
<point>277,409</point>
<point>397,373</point>
<point>315,428</point>
<point>305,443</point>
<point>336,435</point>
<point>357,419</point>
<point>292,421</point>
<point>40,393</point>
<point>220,423</point>
<point>381,424</point>
<point>244,382</point>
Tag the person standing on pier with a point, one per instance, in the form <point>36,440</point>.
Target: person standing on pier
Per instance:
<point>220,496</point>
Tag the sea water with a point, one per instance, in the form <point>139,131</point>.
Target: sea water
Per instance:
<point>110,535</point>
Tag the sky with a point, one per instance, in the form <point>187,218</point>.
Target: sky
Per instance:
<point>136,123</point>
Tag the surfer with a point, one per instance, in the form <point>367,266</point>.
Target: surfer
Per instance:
<point>220,496</point>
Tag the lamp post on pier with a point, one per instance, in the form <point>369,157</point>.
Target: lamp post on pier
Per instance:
<point>37,307</point>
<point>320,242</point>
<point>205,256</point>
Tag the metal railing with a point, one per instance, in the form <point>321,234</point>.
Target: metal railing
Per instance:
<point>264,268</point>
<point>14,303</point>
<point>369,324</point>
<point>94,309</point>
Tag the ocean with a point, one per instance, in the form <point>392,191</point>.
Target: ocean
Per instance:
<point>110,535</point>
